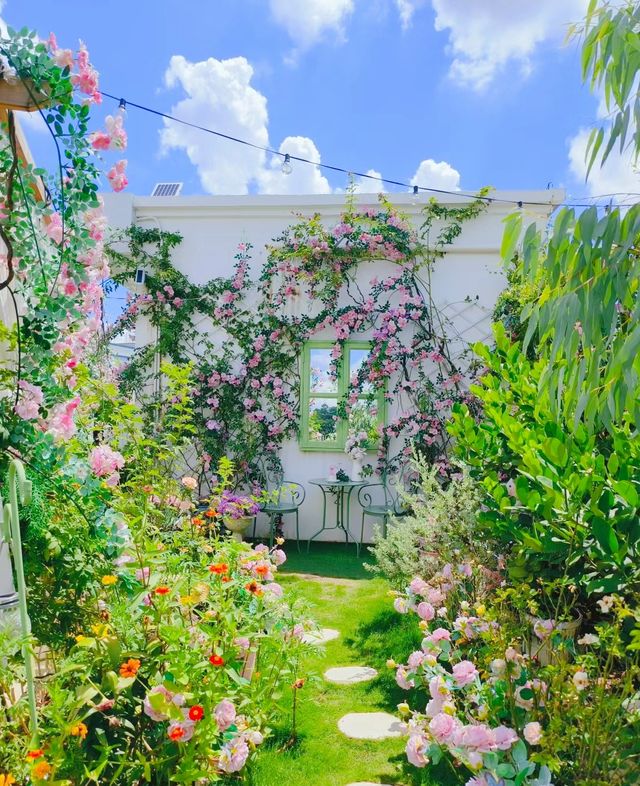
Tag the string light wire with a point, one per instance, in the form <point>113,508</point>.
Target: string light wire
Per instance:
<point>287,158</point>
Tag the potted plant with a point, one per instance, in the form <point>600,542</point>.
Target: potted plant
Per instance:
<point>237,512</point>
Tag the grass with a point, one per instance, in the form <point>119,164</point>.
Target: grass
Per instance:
<point>333,560</point>
<point>370,633</point>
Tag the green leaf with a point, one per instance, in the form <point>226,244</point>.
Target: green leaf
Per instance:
<point>604,534</point>
<point>626,490</point>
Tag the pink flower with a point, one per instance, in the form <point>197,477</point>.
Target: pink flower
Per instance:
<point>402,678</point>
<point>105,461</point>
<point>53,228</point>
<point>476,736</point>
<point>189,483</point>
<point>60,424</point>
<point>439,634</point>
<point>274,588</point>
<point>464,672</point>
<point>401,605</point>
<point>532,733</point>
<point>504,737</point>
<point>233,755</point>
<point>580,680</point>
<point>279,557</point>
<point>181,731</point>
<point>543,628</point>
<point>31,398</point>
<point>142,574</point>
<point>442,727</point>
<point>426,611</point>
<point>242,643</point>
<point>225,715</point>
<point>416,750</point>
<point>117,177</point>
<point>418,586</point>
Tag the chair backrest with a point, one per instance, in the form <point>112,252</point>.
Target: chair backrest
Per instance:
<point>275,483</point>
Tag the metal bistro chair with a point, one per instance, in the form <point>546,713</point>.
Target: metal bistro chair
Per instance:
<point>381,504</point>
<point>287,498</point>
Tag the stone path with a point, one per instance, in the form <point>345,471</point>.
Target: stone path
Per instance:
<point>348,675</point>
<point>321,636</point>
<point>371,725</point>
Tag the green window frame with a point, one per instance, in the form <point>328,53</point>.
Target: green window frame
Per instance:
<point>339,394</point>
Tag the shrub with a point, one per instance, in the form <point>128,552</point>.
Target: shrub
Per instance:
<point>442,523</point>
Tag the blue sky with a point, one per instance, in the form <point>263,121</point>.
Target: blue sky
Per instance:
<point>449,93</point>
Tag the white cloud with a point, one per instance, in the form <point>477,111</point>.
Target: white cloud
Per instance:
<point>487,36</point>
<point>406,10</point>
<point>364,185</point>
<point>618,175</point>
<point>436,174</point>
<point>303,179</point>
<point>309,21</point>
<point>219,95</point>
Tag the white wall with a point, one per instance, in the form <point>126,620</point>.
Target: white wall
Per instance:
<point>212,227</point>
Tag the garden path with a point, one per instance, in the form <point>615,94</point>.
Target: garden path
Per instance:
<point>360,610</point>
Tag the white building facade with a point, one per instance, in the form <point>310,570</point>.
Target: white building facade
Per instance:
<point>464,284</point>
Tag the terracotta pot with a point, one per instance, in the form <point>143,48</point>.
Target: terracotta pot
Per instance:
<point>237,527</point>
<point>22,96</point>
<point>543,649</point>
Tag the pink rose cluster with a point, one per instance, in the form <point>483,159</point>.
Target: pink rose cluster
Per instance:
<point>117,176</point>
<point>105,463</point>
<point>114,137</point>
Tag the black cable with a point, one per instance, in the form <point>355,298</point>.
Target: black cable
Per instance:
<point>123,102</point>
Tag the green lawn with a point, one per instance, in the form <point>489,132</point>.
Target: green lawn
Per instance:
<point>370,633</point>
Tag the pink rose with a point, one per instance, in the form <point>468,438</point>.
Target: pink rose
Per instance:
<point>416,749</point>
<point>504,737</point>
<point>225,714</point>
<point>464,672</point>
<point>426,611</point>
<point>532,733</point>
<point>442,726</point>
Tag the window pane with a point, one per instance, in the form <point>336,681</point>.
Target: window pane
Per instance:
<point>323,419</point>
<point>319,370</point>
<point>364,417</point>
<point>356,360</point>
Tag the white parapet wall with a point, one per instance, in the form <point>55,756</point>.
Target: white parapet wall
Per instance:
<point>464,284</point>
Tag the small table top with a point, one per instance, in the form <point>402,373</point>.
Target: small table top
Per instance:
<point>339,483</point>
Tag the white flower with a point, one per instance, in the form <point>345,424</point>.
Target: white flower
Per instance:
<point>581,680</point>
<point>589,638</point>
<point>606,603</point>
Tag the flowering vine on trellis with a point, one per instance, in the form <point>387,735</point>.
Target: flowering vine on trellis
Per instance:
<point>246,386</point>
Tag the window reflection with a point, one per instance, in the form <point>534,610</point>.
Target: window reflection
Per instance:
<point>323,419</point>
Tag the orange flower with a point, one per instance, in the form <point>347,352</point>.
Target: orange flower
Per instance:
<point>211,514</point>
<point>162,590</point>
<point>35,754</point>
<point>176,733</point>
<point>41,770</point>
<point>197,521</point>
<point>216,660</point>
<point>219,568</point>
<point>253,587</point>
<point>6,779</point>
<point>130,668</point>
<point>262,570</point>
<point>109,580</point>
<point>226,578</point>
<point>79,730</point>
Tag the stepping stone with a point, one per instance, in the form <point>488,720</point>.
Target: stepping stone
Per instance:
<point>321,636</point>
<point>348,675</point>
<point>371,725</point>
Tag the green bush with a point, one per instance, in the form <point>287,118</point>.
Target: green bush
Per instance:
<point>442,525</point>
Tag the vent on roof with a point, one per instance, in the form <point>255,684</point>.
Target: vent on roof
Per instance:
<point>166,189</point>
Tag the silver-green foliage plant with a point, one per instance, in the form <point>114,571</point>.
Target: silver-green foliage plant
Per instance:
<point>442,527</point>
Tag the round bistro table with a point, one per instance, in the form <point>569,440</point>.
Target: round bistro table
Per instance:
<point>341,491</point>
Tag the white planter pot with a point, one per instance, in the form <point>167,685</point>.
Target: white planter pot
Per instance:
<point>237,527</point>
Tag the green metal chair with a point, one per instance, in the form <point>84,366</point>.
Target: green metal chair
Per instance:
<point>380,501</point>
<point>287,496</point>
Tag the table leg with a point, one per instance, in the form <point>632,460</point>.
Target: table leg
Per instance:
<point>324,518</point>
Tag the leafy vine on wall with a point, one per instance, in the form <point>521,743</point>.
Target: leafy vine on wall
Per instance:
<point>246,384</point>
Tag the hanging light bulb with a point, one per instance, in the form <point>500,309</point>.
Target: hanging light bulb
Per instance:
<point>287,169</point>
<point>122,108</point>
<point>414,200</point>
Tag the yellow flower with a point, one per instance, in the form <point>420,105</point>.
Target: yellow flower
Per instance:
<point>109,580</point>
<point>83,639</point>
<point>41,770</point>
<point>481,610</point>
<point>404,708</point>
<point>101,630</point>
<point>79,730</point>
<point>6,779</point>
<point>391,664</point>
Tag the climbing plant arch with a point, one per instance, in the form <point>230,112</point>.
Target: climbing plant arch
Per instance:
<point>246,386</point>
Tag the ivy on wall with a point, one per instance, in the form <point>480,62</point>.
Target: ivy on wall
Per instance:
<point>244,338</point>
